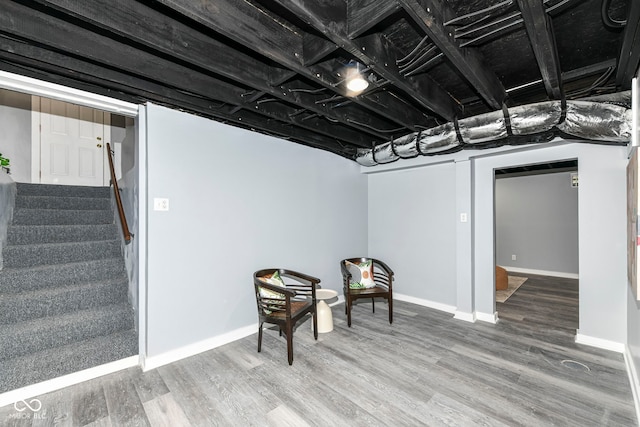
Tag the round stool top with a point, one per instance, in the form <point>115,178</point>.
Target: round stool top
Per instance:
<point>326,294</point>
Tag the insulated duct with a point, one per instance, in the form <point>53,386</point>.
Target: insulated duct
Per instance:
<point>526,124</point>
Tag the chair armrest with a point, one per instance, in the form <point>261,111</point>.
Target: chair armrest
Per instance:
<point>300,277</point>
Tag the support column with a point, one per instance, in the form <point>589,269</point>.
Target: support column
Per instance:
<point>465,309</point>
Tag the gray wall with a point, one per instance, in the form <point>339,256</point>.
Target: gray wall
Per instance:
<point>601,222</point>
<point>239,201</point>
<point>15,133</point>
<point>412,228</point>
<point>123,133</point>
<point>537,220</point>
<point>7,199</point>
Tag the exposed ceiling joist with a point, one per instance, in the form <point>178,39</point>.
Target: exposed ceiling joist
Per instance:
<point>277,66</point>
<point>430,15</point>
<point>540,31</point>
<point>629,58</point>
<point>250,26</point>
<point>363,15</point>
<point>374,52</point>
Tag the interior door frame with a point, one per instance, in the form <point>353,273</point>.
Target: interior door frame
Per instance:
<point>35,142</point>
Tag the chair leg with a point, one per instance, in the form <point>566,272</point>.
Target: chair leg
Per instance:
<point>373,304</point>
<point>390,300</point>
<point>315,323</point>
<point>260,337</point>
<point>348,305</point>
<point>289,334</point>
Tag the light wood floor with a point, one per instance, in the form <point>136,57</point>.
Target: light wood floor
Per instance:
<point>425,369</point>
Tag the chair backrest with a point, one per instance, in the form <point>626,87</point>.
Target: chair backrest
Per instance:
<point>382,274</point>
<point>269,299</point>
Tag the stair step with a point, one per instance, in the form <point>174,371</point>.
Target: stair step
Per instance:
<point>60,202</point>
<point>59,253</point>
<point>52,331</point>
<point>15,280</point>
<point>26,306</point>
<point>62,190</point>
<point>24,216</point>
<point>30,234</point>
<point>55,362</point>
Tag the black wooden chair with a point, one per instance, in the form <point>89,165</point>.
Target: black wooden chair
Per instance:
<point>381,287</point>
<point>284,304</point>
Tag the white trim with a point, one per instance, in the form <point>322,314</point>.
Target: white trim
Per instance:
<point>467,317</point>
<point>633,379</point>
<point>425,303</point>
<point>106,137</point>
<point>141,239</point>
<point>32,86</point>
<point>35,139</point>
<point>152,362</point>
<point>541,272</point>
<point>599,343</point>
<point>48,386</point>
<point>487,317</point>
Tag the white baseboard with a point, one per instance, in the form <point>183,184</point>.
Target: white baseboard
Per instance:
<point>152,362</point>
<point>467,317</point>
<point>599,343</point>
<point>541,272</point>
<point>633,379</point>
<point>487,317</point>
<point>425,303</point>
<point>48,386</point>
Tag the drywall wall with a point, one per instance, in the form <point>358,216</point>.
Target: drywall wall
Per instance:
<point>537,221</point>
<point>15,138</point>
<point>238,202</point>
<point>412,228</point>
<point>123,133</point>
<point>601,230</point>
<point>601,227</point>
<point>7,200</point>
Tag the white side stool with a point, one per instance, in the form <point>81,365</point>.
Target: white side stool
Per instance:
<point>325,318</point>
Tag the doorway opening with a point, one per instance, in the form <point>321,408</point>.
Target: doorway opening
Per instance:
<point>536,244</point>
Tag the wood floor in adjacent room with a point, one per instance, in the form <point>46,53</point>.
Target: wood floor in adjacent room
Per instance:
<point>425,369</point>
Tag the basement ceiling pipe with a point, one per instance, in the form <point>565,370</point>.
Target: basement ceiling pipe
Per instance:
<point>533,123</point>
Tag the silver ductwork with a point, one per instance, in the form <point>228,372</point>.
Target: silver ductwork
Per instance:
<point>588,120</point>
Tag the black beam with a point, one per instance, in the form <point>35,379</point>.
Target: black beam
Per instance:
<point>375,52</point>
<point>629,58</point>
<point>363,15</point>
<point>250,26</point>
<point>540,31</point>
<point>53,62</point>
<point>430,16</point>
<point>160,33</point>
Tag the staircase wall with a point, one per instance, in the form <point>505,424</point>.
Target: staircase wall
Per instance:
<point>7,200</point>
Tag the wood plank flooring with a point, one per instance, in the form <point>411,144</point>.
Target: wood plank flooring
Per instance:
<point>425,369</point>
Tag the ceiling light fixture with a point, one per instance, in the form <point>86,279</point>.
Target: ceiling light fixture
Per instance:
<point>356,82</point>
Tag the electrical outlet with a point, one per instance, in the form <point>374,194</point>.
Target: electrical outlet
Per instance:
<point>513,257</point>
<point>463,217</point>
<point>160,204</point>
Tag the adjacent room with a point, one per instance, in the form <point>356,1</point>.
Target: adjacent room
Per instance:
<point>254,212</point>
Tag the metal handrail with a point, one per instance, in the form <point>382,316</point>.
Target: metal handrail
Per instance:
<point>123,220</point>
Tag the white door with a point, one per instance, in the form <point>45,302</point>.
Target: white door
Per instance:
<point>72,149</point>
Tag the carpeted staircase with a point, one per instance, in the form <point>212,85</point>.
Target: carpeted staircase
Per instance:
<point>63,288</point>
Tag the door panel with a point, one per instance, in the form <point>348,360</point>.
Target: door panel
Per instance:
<point>71,144</point>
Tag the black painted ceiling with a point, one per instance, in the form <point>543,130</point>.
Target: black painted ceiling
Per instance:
<point>277,66</point>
